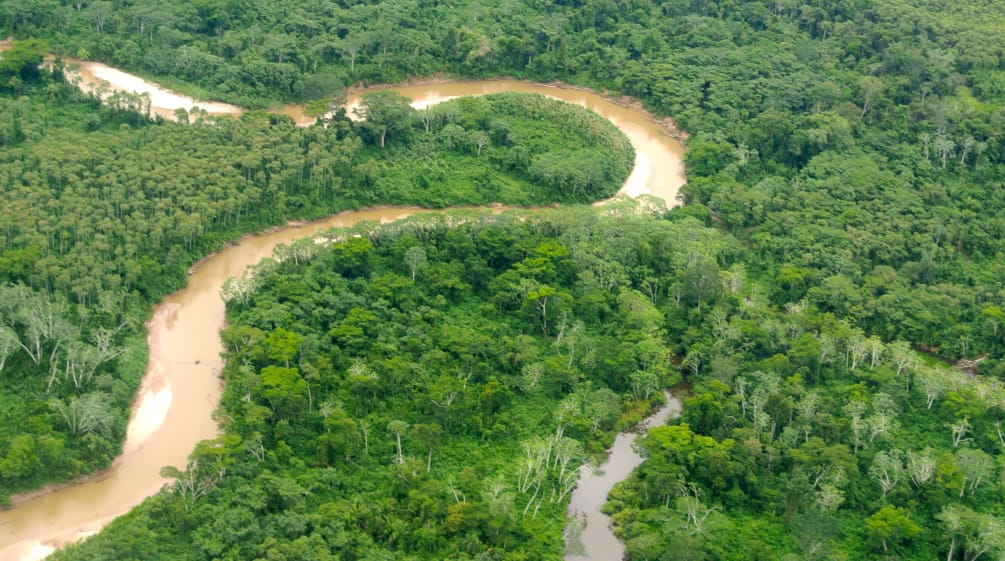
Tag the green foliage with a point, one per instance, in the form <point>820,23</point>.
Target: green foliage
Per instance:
<point>890,525</point>
<point>385,112</point>
<point>423,437</point>
<point>854,148</point>
<point>99,223</point>
<point>504,148</point>
<point>19,65</point>
<point>837,443</point>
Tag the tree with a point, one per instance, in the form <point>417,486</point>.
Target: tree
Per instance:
<point>639,312</point>
<point>921,466</point>
<point>959,431</point>
<point>934,381</point>
<point>887,469</point>
<point>644,383</point>
<point>282,346</point>
<point>884,418</point>
<point>602,408</point>
<point>995,318</point>
<point>342,432</point>
<point>976,534</point>
<point>327,95</point>
<point>20,459</point>
<point>854,410</point>
<point>531,375</point>
<point>284,389</point>
<point>415,258</point>
<point>975,466</point>
<point>192,483</point>
<point>701,279</point>
<point>9,343</point>
<point>351,46</point>
<point>480,139</point>
<point>91,412</point>
<point>429,435</point>
<point>944,146</point>
<point>398,428</point>
<point>385,113</point>
<point>706,158</point>
<point>967,143</point>
<point>80,362</point>
<point>870,88</point>
<point>541,295</point>
<point>904,359</point>
<point>695,512</point>
<point>814,532</point>
<point>890,525</point>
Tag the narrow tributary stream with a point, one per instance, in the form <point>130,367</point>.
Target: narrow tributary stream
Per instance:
<point>181,388</point>
<point>596,541</point>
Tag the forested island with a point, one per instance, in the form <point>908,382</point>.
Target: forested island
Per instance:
<point>831,292</point>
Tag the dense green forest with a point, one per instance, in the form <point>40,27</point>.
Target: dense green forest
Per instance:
<point>804,438</point>
<point>428,389</point>
<point>850,153</point>
<point>98,224</point>
<point>838,140</point>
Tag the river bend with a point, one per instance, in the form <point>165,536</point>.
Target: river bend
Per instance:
<point>181,388</point>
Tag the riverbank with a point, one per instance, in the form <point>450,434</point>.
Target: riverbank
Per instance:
<point>181,388</point>
<point>668,124</point>
<point>594,539</point>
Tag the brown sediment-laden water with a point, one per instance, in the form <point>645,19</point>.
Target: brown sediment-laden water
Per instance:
<point>181,388</point>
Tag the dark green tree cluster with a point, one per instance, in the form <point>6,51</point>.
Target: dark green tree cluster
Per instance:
<point>515,148</point>
<point>805,438</point>
<point>425,389</point>
<point>98,223</point>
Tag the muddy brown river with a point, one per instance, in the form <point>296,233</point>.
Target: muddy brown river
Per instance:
<point>181,388</point>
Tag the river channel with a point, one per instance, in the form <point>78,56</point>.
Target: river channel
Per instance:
<point>181,388</point>
<point>596,541</point>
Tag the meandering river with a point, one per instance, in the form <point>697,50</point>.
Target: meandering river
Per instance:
<point>181,388</point>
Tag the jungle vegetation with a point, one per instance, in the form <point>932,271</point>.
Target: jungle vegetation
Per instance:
<point>850,151</point>
<point>427,389</point>
<point>98,224</point>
